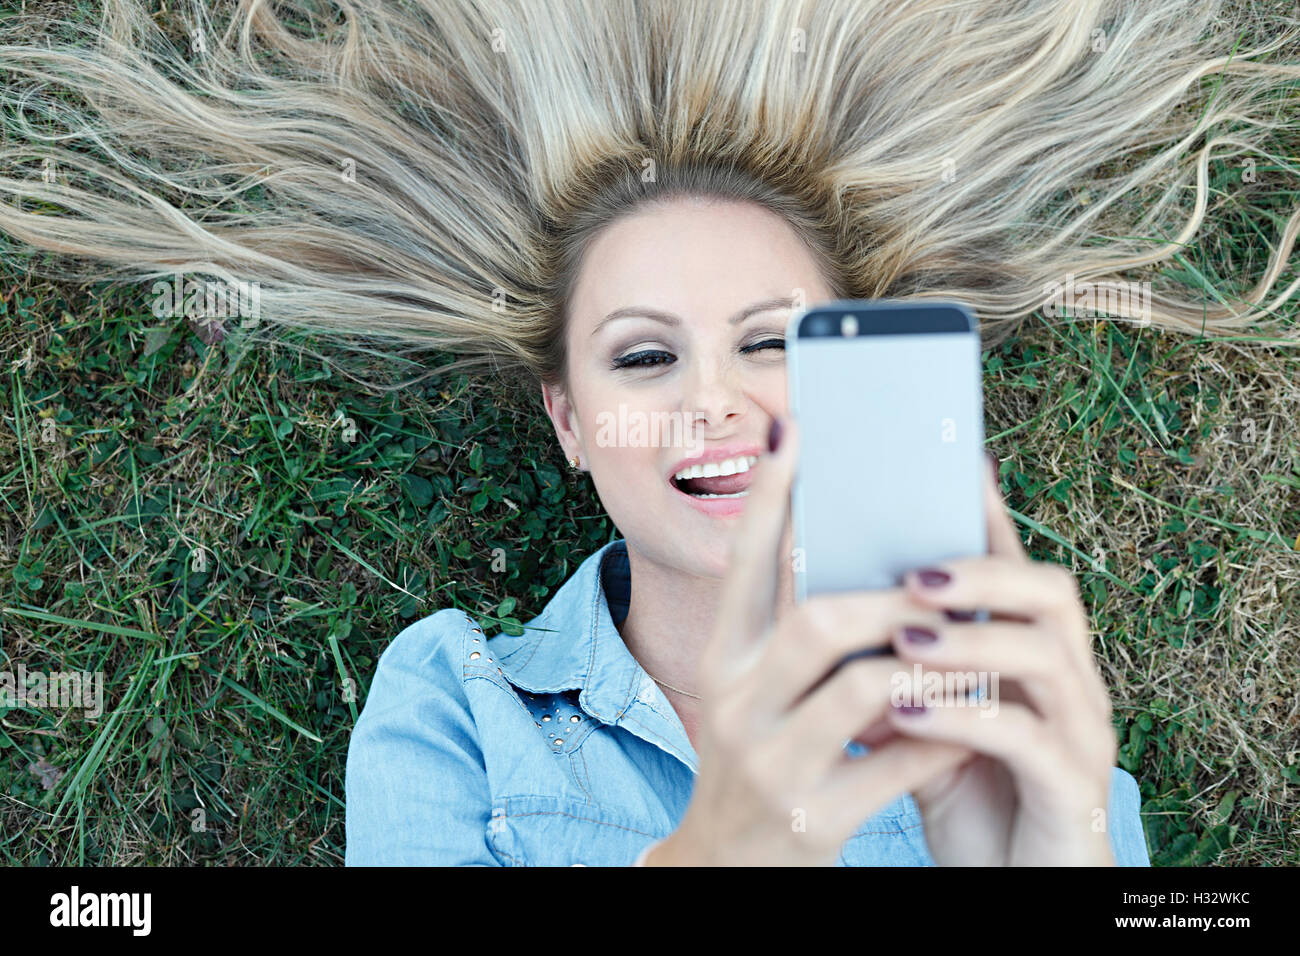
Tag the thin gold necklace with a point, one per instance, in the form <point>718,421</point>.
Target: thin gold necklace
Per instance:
<point>671,687</point>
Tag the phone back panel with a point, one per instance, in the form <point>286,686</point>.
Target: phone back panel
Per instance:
<point>891,463</point>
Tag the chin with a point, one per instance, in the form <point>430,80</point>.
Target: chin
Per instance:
<point>711,558</point>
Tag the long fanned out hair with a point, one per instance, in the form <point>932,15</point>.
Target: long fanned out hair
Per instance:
<point>427,173</point>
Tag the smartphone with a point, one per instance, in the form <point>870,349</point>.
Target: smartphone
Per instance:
<point>891,467</point>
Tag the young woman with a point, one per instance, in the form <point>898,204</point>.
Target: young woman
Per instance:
<point>557,747</point>
<point>624,200</point>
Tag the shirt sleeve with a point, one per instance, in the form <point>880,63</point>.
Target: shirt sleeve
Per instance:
<point>416,785</point>
<point>1128,842</point>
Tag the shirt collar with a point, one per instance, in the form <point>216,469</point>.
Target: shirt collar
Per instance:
<point>574,643</point>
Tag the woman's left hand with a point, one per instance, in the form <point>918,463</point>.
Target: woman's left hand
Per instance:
<point>1037,790</point>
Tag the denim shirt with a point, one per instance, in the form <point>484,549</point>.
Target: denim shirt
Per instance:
<point>555,748</point>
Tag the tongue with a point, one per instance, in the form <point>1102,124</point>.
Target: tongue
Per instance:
<point>719,485</point>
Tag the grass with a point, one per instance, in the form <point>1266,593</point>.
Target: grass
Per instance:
<point>195,525</point>
<point>201,524</point>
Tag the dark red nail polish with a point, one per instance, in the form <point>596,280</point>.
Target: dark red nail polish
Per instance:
<point>933,577</point>
<point>908,710</point>
<point>774,435</point>
<point>919,635</point>
<point>954,615</point>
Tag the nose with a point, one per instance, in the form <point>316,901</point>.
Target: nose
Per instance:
<point>713,395</point>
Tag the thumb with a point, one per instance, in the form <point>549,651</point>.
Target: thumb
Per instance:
<point>1004,539</point>
<point>748,600</point>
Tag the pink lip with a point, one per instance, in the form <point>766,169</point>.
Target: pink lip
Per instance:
<point>715,507</point>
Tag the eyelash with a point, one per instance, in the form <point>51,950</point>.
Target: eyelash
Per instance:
<point>635,359</point>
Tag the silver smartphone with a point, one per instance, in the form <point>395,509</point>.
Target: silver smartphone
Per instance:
<point>890,478</point>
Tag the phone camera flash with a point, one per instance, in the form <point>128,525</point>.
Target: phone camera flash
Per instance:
<point>849,326</point>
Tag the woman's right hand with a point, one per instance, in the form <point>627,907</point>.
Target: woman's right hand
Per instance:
<point>775,786</point>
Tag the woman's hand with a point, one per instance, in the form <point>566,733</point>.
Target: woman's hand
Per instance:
<point>775,786</point>
<point>1037,791</point>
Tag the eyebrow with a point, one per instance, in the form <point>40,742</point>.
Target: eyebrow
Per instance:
<point>668,318</point>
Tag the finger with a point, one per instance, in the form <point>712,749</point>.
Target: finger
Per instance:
<point>1011,733</point>
<point>749,589</point>
<point>876,733</point>
<point>1006,585</point>
<point>860,786</point>
<point>1004,539</point>
<point>810,740</point>
<point>1036,592</point>
<point>1009,651</point>
<point>822,634</point>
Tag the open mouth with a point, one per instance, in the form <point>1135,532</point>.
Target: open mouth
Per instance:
<point>717,479</point>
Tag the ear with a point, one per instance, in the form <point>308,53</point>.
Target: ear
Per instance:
<point>565,419</point>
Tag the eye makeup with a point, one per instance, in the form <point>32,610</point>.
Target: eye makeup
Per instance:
<point>650,358</point>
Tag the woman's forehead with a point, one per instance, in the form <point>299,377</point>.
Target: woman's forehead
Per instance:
<point>688,260</point>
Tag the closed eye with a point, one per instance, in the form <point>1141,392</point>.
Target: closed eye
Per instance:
<point>643,359</point>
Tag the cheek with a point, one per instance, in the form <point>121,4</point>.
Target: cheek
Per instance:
<point>774,394</point>
<point>768,389</point>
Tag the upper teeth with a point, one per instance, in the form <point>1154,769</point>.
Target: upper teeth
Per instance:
<point>730,466</point>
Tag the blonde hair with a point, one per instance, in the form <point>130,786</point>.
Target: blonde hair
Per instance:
<point>973,150</point>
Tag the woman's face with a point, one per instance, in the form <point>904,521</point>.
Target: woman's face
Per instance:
<point>675,336</point>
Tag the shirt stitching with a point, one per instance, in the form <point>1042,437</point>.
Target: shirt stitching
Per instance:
<point>573,764</point>
<point>562,813</point>
<point>586,772</point>
<point>514,861</point>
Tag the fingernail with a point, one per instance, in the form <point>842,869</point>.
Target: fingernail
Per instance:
<point>932,577</point>
<point>953,615</point>
<point>919,635</point>
<point>909,710</point>
<point>774,435</point>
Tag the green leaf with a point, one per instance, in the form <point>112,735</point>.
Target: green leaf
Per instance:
<point>418,489</point>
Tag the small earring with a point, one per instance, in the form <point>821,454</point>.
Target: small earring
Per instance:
<point>573,461</point>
